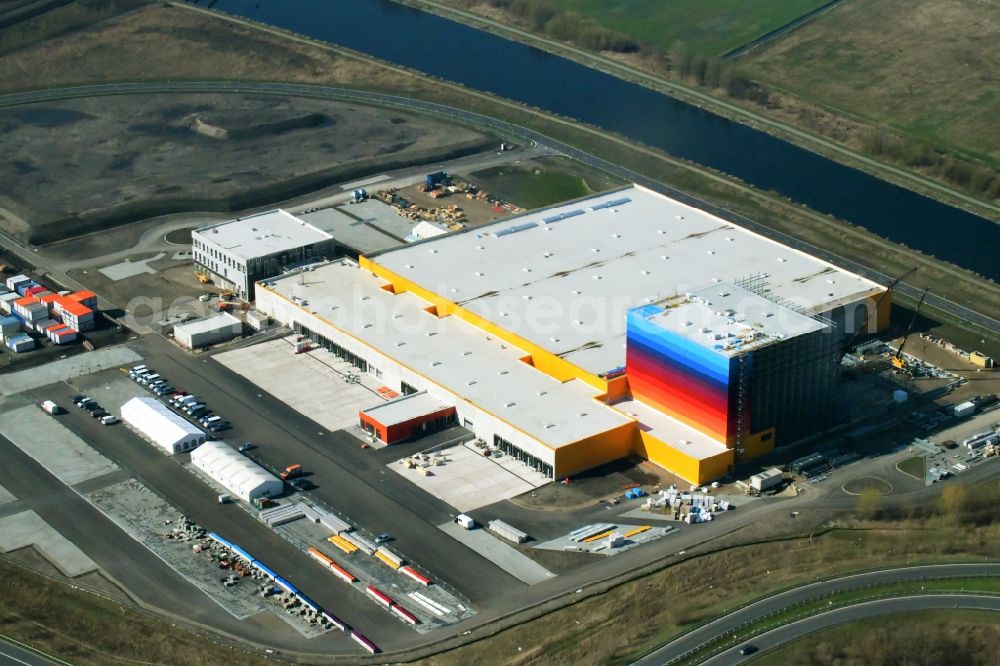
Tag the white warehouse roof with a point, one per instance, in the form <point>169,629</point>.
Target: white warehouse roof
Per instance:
<point>262,234</point>
<point>168,430</point>
<point>449,352</point>
<point>243,477</point>
<point>212,324</point>
<point>564,277</point>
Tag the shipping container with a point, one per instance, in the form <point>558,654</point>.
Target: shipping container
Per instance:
<point>364,642</point>
<point>405,614</point>
<point>336,621</point>
<point>508,532</point>
<point>409,571</point>
<point>379,596</point>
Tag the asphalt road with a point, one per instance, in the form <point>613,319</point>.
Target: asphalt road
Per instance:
<point>501,128</point>
<point>863,611</point>
<point>12,653</point>
<point>768,605</point>
<point>125,560</point>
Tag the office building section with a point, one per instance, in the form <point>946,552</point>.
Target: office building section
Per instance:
<point>625,323</point>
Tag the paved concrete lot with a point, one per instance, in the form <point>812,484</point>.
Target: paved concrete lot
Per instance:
<point>6,496</point>
<point>128,268</point>
<point>27,528</point>
<point>67,368</point>
<point>48,441</point>
<point>467,480</point>
<point>312,384</point>
<point>601,545</point>
<point>506,557</point>
<point>369,570</point>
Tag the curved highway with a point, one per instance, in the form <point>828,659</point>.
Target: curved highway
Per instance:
<point>500,127</point>
<point>782,600</point>
<point>14,652</point>
<point>810,625</point>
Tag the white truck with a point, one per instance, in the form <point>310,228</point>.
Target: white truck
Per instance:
<point>465,521</point>
<point>50,407</point>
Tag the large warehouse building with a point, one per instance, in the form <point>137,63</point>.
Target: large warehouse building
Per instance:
<point>575,335</point>
<point>240,475</point>
<point>168,430</point>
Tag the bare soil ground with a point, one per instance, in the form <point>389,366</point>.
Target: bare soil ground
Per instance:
<point>927,67</point>
<point>88,164</point>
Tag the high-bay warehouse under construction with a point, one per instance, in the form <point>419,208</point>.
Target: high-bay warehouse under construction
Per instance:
<point>624,323</point>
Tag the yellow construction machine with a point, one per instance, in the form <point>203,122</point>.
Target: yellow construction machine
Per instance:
<point>898,360</point>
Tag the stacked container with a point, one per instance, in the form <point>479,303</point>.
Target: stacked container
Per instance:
<point>9,326</point>
<point>20,343</point>
<point>30,310</point>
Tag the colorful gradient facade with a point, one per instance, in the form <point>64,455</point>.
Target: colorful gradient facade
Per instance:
<point>682,378</point>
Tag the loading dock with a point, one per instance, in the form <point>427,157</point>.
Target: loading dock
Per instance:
<point>406,417</point>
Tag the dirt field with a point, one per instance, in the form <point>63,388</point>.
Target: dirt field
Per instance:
<point>89,164</point>
<point>927,67</point>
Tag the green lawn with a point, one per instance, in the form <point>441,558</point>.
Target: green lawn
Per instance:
<point>914,467</point>
<point>924,67</point>
<point>533,186</point>
<point>708,27</point>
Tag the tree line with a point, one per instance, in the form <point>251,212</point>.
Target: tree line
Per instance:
<point>547,17</point>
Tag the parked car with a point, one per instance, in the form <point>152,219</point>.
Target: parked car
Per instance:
<point>291,472</point>
<point>191,407</point>
<point>77,398</point>
<point>163,390</point>
<point>110,419</point>
<point>748,649</point>
<point>99,413</point>
<point>383,538</point>
<point>92,406</point>
<point>245,446</point>
<point>84,401</point>
<point>302,484</point>
<point>219,426</point>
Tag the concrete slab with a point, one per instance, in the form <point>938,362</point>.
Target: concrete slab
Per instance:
<point>318,385</point>
<point>67,368</point>
<point>506,557</point>
<point>600,546</point>
<point>468,480</point>
<point>58,450</point>
<point>6,496</point>
<point>127,268</point>
<point>27,529</point>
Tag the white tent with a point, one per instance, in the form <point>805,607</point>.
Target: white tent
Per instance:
<point>164,428</point>
<point>243,477</point>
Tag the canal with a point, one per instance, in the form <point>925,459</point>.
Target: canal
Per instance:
<point>483,61</point>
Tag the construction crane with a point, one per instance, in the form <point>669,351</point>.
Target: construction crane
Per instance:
<point>898,361</point>
<point>878,302</point>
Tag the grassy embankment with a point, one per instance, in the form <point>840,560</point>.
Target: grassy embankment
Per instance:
<point>158,42</point>
<point>928,637</point>
<point>630,619</point>
<point>83,628</point>
<point>983,585</point>
<point>878,61</point>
